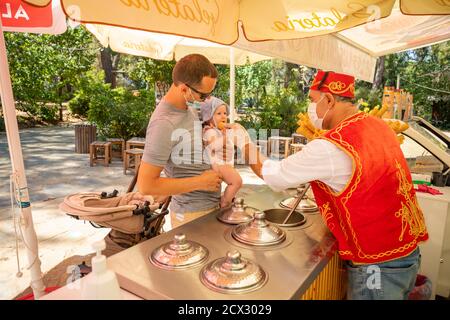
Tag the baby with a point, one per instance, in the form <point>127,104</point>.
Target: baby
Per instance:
<point>219,148</point>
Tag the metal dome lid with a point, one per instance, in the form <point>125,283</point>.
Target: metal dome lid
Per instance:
<point>237,213</point>
<point>179,254</point>
<point>233,274</point>
<point>258,232</point>
<point>306,205</point>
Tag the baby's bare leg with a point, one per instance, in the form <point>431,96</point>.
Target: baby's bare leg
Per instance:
<point>233,180</point>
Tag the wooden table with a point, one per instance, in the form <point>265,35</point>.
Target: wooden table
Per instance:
<point>135,142</point>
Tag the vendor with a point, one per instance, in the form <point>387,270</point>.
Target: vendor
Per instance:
<point>362,186</point>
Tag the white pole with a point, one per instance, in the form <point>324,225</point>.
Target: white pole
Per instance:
<point>232,86</point>
<point>18,169</point>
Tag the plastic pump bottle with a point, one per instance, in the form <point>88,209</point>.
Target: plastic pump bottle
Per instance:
<point>102,283</point>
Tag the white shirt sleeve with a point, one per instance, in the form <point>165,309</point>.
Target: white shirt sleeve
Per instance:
<point>318,160</point>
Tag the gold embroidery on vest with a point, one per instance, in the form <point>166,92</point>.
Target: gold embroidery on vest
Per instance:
<point>344,253</point>
<point>324,187</point>
<point>410,213</point>
<point>327,215</point>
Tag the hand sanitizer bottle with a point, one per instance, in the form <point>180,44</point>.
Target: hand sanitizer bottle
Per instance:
<point>101,283</point>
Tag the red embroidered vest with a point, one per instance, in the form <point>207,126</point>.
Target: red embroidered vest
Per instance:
<point>376,217</point>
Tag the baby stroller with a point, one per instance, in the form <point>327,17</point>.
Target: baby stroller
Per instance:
<point>133,218</point>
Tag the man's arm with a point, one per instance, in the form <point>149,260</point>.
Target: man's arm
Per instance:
<point>150,182</point>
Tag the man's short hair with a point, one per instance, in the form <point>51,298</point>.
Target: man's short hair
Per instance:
<point>191,69</point>
<point>343,99</point>
<point>340,98</point>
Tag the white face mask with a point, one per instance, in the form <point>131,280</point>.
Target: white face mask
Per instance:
<point>312,113</point>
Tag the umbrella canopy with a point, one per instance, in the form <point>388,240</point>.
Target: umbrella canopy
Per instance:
<point>344,36</point>
<point>219,20</point>
<point>355,50</point>
<point>167,47</point>
<point>398,32</point>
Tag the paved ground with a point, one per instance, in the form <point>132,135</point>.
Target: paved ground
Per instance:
<point>54,170</point>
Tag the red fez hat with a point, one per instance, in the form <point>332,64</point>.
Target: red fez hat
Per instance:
<point>335,83</point>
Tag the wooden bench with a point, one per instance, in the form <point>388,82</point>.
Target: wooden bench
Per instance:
<point>100,151</point>
<point>132,159</point>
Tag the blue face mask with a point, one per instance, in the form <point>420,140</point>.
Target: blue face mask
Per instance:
<point>196,105</point>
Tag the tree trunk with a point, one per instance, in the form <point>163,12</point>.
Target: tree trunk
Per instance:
<point>288,73</point>
<point>60,94</point>
<point>115,65</point>
<point>379,71</point>
<point>107,65</point>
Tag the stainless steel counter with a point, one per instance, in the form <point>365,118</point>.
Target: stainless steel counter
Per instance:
<point>291,266</point>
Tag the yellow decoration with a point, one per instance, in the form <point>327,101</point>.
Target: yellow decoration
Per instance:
<point>397,125</point>
<point>306,128</point>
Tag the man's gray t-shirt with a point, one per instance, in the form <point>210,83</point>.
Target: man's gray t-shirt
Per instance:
<point>174,141</point>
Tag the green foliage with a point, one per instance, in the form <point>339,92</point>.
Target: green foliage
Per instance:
<point>144,72</point>
<point>120,113</point>
<point>43,67</point>
<point>87,87</point>
<point>251,82</point>
<point>79,104</point>
<point>366,97</point>
<point>47,70</point>
<point>47,112</point>
<point>425,73</point>
<point>278,111</point>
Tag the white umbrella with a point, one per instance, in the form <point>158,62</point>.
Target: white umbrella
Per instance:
<point>341,35</point>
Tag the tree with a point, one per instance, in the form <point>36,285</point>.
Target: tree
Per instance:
<point>425,73</point>
<point>44,68</point>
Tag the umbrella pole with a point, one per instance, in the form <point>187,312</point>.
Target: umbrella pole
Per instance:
<point>18,169</point>
<point>232,86</point>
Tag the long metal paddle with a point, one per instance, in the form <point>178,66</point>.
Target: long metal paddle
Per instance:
<point>300,197</point>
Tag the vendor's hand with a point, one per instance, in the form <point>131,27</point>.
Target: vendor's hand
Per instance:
<point>210,181</point>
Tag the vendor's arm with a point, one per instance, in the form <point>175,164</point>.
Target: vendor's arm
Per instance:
<point>319,160</point>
